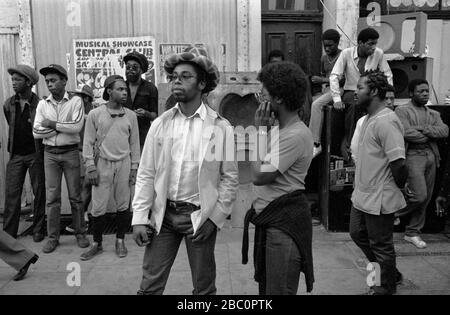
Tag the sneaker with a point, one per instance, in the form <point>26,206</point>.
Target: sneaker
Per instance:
<point>38,237</point>
<point>121,250</point>
<point>317,149</point>
<point>82,241</point>
<point>416,240</point>
<point>95,250</point>
<point>70,228</point>
<point>50,246</point>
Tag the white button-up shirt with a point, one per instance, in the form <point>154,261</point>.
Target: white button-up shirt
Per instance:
<point>185,156</point>
<point>347,65</point>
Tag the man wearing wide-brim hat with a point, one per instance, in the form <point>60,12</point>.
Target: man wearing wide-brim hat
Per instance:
<point>181,190</point>
<point>142,94</point>
<point>26,153</point>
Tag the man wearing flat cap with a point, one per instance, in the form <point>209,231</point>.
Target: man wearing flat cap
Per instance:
<point>26,153</point>
<point>59,120</point>
<point>142,94</point>
<point>181,190</point>
<point>111,154</point>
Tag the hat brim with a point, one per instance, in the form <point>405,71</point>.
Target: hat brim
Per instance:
<point>47,70</point>
<point>138,60</point>
<point>82,93</point>
<point>11,71</point>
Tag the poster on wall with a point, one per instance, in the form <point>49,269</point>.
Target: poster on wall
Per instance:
<point>165,50</point>
<point>96,59</point>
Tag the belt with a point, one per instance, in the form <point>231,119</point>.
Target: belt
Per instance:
<point>418,146</point>
<point>61,149</point>
<point>182,205</point>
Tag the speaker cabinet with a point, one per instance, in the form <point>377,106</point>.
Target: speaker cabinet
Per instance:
<point>409,69</point>
<point>400,34</point>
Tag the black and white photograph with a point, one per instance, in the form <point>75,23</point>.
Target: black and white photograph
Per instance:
<point>239,149</point>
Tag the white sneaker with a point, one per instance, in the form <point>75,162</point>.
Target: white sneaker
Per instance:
<point>317,150</point>
<point>416,240</point>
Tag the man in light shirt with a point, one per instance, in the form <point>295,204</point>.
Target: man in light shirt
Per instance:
<point>352,63</point>
<point>59,120</point>
<point>380,175</point>
<point>181,192</point>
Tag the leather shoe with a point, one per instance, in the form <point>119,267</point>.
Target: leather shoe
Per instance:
<point>82,241</point>
<point>22,272</point>
<point>95,250</point>
<point>38,237</point>
<point>121,250</point>
<point>50,246</point>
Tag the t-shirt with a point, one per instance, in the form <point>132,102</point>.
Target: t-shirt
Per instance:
<point>290,151</point>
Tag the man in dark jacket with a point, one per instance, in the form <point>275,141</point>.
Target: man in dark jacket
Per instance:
<point>142,94</point>
<point>26,153</point>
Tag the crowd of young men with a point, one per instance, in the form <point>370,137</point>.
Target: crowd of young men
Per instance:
<point>183,193</point>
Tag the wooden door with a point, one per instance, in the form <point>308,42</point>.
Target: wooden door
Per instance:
<point>299,41</point>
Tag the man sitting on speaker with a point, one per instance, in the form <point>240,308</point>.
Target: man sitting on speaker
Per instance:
<point>352,63</point>
<point>423,127</point>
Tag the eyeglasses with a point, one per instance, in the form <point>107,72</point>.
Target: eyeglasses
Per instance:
<point>184,76</point>
<point>116,115</point>
<point>133,67</point>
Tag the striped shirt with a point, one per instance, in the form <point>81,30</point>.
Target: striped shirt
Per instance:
<point>69,116</point>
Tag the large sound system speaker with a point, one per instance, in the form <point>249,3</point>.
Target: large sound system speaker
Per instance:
<point>409,69</point>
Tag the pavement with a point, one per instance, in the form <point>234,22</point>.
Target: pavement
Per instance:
<point>340,268</point>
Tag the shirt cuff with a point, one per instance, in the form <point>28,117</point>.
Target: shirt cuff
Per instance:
<point>218,218</point>
<point>337,99</point>
<point>90,168</point>
<point>140,218</point>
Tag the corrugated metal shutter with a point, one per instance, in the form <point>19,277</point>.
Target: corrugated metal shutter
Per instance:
<point>8,53</point>
<point>170,21</point>
<point>191,21</point>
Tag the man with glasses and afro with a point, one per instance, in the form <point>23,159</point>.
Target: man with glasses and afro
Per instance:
<point>181,192</point>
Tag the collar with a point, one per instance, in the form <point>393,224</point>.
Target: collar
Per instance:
<point>355,53</point>
<point>53,101</point>
<point>201,111</point>
<point>415,107</point>
<point>28,101</point>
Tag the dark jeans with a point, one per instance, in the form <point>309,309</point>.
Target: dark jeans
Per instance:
<point>283,264</point>
<point>352,114</point>
<point>161,253</point>
<point>16,171</point>
<point>55,166</point>
<point>375,236</point>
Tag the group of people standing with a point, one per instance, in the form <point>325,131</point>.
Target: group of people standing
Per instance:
<point>181,193</point>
